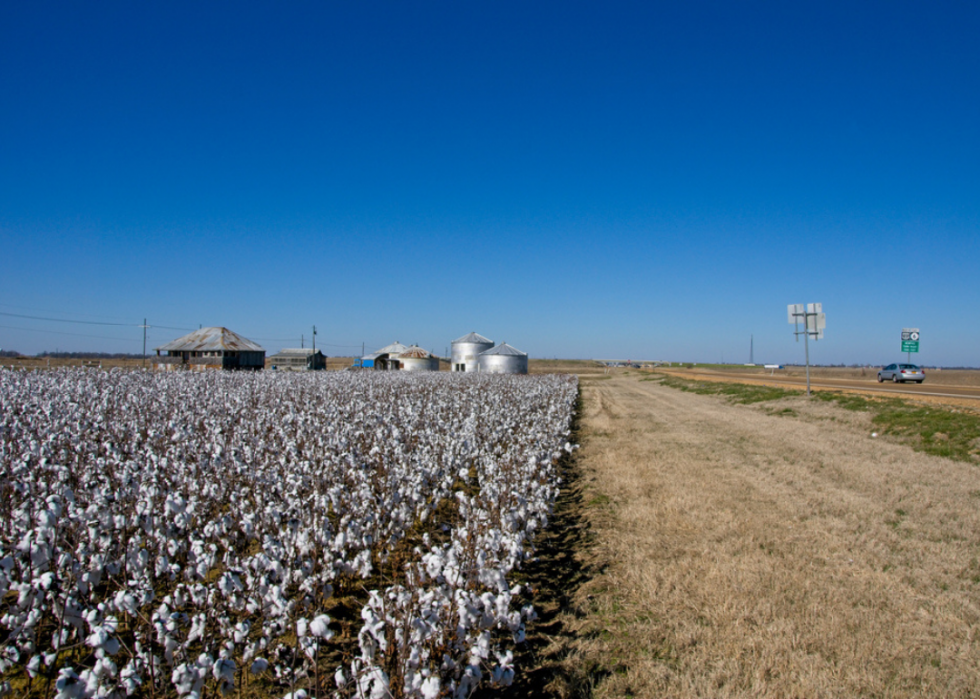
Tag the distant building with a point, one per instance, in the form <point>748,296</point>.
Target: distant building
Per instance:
<point>298,360</point>
<point>466,349</point>
<point>210,348</point>
<point>417,359</point>
<point>502,359</point>
<point>386,358</point>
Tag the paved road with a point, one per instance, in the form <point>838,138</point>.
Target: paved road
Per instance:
<point>872,386</point>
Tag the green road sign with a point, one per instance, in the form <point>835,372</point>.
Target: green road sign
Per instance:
<point>910,345</point>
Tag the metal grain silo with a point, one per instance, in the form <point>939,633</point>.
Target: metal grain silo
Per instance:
<point>417,359</point>
<point>466,350</point>
<point>503,359</point>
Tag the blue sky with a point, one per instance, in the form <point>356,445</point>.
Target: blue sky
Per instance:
<point>631,180</point>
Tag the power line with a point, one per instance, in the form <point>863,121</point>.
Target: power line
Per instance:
<point>56,332</point>
<point>144,325</point>
<point>34,309</point>
<point>65,320</point>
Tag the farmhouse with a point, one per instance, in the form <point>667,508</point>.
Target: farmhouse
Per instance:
<point>210,348</point>
<point>303,359</point>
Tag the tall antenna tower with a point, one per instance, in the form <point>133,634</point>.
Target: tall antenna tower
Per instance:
<point>751,349</point>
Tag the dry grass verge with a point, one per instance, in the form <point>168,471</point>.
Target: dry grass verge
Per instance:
<point>743,553</point>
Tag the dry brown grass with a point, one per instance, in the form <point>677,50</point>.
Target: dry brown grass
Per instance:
<point>747,554</point>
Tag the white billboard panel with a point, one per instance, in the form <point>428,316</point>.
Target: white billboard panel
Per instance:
<point>816,322</point>
<point>795,313</point>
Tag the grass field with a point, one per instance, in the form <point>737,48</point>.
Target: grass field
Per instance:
<point>765,547</point>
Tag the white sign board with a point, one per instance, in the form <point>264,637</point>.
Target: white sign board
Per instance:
<point>795,312</point>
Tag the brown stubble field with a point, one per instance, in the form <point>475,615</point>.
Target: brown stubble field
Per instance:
<point>738,553</point>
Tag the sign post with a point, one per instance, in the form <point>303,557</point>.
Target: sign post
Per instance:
<point>910,341</point>
<point>814,321</point>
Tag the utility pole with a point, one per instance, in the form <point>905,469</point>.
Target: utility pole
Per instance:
<point>302,341</point>
<point>144,326</point>
<point>314,339</point>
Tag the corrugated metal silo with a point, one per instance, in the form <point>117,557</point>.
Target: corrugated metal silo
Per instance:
<point>466,350</point>
<point>503,359</point>
<point>417,359</point>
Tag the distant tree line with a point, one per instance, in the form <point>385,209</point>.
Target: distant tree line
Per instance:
<point>84,355</point>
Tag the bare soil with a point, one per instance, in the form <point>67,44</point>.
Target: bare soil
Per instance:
<point>731,551</point>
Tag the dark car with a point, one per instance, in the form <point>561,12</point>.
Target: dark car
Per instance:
<point>901,373</point>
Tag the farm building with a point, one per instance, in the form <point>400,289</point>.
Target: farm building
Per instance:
<point>298,360</point>
<point>385,358</point>
<point>466,350</point>
<point>417,359</point>
<point>502,359</point>
<point>210,348</point>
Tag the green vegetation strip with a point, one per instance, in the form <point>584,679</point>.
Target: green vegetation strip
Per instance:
<point>937,430</point>
<point>735,392</point>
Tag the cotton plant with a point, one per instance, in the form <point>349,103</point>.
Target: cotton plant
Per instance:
<point>189,530</point>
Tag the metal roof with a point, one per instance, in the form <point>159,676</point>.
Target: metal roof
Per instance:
<point>394,348</point>
<point>211,340</point>
<point>504,348</point>
<point>295,352</point>
<point>474,338</point>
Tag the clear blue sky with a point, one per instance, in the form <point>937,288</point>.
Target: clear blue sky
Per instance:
<point>632,180</point>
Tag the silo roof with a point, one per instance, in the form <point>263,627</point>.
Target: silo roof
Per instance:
<point>211,340</point>
<point>474,338</point>
<point>416,352</point>
<point>504,349</point>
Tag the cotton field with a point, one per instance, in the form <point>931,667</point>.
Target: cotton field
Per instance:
<point>185,535</point>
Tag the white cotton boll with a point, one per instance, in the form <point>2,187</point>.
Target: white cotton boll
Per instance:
<point>320,627</point>
<point>302,626</point>
<point>430,688</point>
<point>223,668</point>
<point>125,602</point>
<point>34,666</point>
<point>69,684</point>
<point>340,678</point>
<point>298,694</point>
<point>259,665</point>
<point>185,679</point>
<point>104,667</point>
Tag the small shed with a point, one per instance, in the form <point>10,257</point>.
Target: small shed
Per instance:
<point>210,348</point>
<point>301,359</point>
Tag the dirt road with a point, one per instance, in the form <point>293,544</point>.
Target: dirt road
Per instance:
<point>742,553</point>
